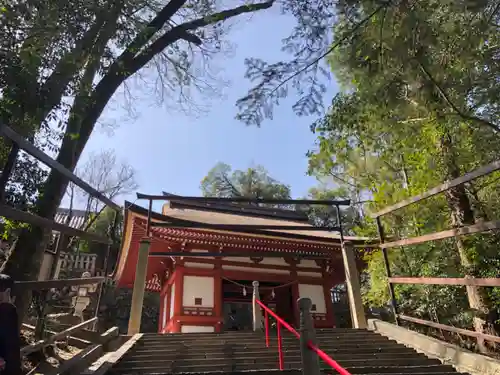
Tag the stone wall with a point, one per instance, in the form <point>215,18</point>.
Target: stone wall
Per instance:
<point>115,310</point>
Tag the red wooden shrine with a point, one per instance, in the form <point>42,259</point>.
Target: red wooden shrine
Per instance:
<point>207,293</point>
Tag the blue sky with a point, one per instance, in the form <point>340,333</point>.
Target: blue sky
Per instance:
<point>172,151</point>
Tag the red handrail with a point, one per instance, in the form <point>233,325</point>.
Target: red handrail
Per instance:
<point>280,322</point>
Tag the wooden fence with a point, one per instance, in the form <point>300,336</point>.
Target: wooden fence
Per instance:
<point>450,233</point>
<point>43,288</point>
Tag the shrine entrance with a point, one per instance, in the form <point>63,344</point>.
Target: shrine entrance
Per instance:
<point>203,258</point>
<point>237,303</point>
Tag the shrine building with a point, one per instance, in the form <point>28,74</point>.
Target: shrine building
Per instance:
<point>206,285</point>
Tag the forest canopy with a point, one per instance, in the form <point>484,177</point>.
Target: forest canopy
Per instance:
<point>419,105</point>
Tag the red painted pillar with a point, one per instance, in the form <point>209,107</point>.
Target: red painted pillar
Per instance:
<point>218,297</point>
<point>295,294</point>
<point>176,327</point>
<point>162,307</point>
<point>179,292</point>
<point>328,303</point>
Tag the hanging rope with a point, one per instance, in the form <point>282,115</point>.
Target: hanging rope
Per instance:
<point>260,288</point>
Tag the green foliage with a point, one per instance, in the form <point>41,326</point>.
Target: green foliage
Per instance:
<point>419,105</point>
<point>222,181</point>
<point>23,188</point>
<point>326,216</point>
<point>101,224</point>
<point>62,62</point>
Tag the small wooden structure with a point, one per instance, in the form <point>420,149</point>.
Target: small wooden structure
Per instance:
<point>75,263</point>
<point>202,257</point>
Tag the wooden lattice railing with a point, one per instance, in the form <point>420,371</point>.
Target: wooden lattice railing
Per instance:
<point>450,233</point>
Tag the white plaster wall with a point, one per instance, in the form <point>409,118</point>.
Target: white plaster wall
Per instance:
<point>238,259</point>
<point>200,251</point>
<point>198,287</point>
<point>271,261</point>
<point>309,274</point>
<point>254,270</point>
<point>308,263</point>
<point>172,299</point>
<point>274,261</point>
<point>198,265</point>
<point>315,293</point>
<point>197,329</point>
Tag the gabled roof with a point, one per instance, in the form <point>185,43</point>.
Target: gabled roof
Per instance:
<point>209,217</point>
<point>239,209</point>
<point>288,242</point>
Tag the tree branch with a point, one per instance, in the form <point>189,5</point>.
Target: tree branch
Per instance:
<point>453,106</point>
<point>152,28</point>
<point>179,32</point>
<point>69,65</point>
<point>122,68</point>
<point>332,48</point>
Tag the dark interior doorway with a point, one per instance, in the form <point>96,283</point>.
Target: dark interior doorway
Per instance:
<point>237,303</point>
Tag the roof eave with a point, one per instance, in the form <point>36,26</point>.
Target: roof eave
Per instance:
<point>292,236</point>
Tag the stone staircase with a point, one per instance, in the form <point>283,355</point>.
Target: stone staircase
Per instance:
<point>233,353</point>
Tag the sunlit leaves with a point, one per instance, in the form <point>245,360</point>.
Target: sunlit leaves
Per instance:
<point>419,106</point>
<point>254,182</point>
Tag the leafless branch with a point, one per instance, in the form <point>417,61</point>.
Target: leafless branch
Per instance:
<point>110,177</point>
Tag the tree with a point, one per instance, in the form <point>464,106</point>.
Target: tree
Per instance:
<point>418,110</point>
<point>326,216</point>
<point>101,226</point>
<point>22,191</point>
<point>358,145</point>
<point>429,48</point>
<point>304,73</point>
<point>255,182</point>
<point>86,51</point>
<point>107,175</point>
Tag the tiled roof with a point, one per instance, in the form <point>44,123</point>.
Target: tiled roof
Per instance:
<point>77,217</point>
<point>239,209</point>
<point>227,218</point>
<point>235,241</point>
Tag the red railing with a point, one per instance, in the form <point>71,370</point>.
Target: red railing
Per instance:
<point>280,322</point>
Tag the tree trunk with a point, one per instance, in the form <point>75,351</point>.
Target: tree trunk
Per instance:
<point>462,215</point>
<point>24,261</point>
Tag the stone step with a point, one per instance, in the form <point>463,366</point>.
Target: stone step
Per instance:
<point>242,357</point>
<point>210,365</point>
<point>361,352</point>
<point>216,352</point>
<point>241,333</point>
<point>330,348</point>
<point>284,372</point>
<point>166,341</point>
<point>416,371</point>
<point>398,370</point>
<point>244,335</point>
<point>285,340</point>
